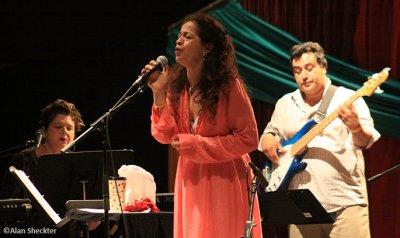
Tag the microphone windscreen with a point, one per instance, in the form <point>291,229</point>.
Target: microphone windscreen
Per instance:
<point>162,60</point>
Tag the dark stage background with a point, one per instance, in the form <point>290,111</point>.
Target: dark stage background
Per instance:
<point>90,54</point>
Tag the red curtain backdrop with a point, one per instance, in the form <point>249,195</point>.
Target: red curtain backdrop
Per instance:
<point>377,36</point>
<point>365,33</point>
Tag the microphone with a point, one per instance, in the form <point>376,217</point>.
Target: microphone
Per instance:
<point>30,143</point>
<point>161,61</point>
<point>259,175</point>
<point>39,137</point>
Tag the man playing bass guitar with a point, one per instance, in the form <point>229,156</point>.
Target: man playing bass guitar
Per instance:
<point>332,163</point>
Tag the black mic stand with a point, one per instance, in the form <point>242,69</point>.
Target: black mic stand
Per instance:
<point>250,221</point>
<point>383,173</point>
<point>27,144</point>
<point>257,179</point>
<point>103,128</point>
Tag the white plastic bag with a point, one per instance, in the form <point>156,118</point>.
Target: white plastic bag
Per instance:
<point>139,183</point>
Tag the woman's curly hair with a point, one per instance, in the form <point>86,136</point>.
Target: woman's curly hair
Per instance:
<point>63,107</point>
<point>220,66</point>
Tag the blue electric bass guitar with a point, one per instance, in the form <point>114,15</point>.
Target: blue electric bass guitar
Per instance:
<point>279,175</point>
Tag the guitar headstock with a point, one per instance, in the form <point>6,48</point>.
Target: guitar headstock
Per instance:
<point>374,82</point>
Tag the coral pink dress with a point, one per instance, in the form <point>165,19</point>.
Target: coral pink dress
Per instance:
<point>212,180</point>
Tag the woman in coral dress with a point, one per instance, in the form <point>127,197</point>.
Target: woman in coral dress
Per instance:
<point>201,107</point>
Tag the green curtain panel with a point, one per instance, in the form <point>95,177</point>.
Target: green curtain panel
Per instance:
<point>262,51</point>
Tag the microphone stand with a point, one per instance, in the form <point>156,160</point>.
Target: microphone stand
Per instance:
<point>250,221</point>
<point>383,173</point>
<point>103,128</point>
<point>257,178</point>
<point>121,102</point>
<point>27,144</point>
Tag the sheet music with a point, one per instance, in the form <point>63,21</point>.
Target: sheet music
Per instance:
<point>36,194</point>
<point>97,210</point>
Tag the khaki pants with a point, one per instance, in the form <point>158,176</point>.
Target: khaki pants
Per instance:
<point>351,222</point>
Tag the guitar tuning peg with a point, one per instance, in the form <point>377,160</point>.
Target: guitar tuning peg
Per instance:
<point>378,90</point>
<point>375,75</point>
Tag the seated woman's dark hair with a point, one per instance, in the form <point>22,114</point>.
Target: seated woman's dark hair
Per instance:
<point>63,107</point>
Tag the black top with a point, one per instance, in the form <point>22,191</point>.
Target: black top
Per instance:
<point>11,187</point>
<point>26,161</point>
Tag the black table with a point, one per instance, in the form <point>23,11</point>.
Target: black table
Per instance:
<point>132,225</point>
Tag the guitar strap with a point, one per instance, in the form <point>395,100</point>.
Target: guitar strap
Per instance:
<point>321,112</point>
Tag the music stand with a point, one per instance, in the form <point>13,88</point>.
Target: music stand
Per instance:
<point>59,176</point>
<point>292,207</point>
<point>39,200</point>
